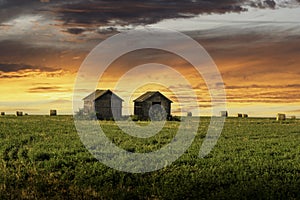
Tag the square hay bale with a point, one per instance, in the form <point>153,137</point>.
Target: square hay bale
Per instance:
<point>293,118</point>
<point>280,117</point>
<point>245,116</point>
<point>53,112</point>
<point>224,114</point>
<point>2,113</point>
<point>19,113</point>
<point>239,115</point>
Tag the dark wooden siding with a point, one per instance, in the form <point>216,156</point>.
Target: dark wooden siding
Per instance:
<point>107,106</point>
<point>138,109</point>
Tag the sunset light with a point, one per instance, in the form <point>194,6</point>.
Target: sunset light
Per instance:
<point>255,47</point>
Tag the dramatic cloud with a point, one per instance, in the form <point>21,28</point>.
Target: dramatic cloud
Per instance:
<point>47,89</point>
<point>254,55</point>
<point>137,12</point>
<point>9,71</point>
<point>255,43</point>
<point>264,4</point>
<point>25,56</point>
<point>20,67</point>
<point>75,31</point>
<point>11,9</point>
<point>118,12</point>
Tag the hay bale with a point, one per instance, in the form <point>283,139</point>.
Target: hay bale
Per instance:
<point>245,116</point>
<point>2,113</point>
<point>293,118</point>
<point>19,113</point>
<point>224,114</point>
<point>280,117</point>
<point>189,114</point>
<point>53,112</point>
<point>240,115</point>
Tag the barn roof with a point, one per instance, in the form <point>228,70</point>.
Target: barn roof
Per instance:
<point>99,93</point>
<point>149,94</point>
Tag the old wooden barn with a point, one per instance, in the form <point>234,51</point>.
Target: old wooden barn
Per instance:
<point>143,104</point>
<point>104,103</point>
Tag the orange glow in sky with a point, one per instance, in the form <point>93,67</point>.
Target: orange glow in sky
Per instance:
<point>256,49</point>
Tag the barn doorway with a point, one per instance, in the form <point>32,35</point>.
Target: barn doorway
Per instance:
<point>157,112</point>
<point>156,103</point>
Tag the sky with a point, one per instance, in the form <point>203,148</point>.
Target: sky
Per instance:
<point>254,43</point>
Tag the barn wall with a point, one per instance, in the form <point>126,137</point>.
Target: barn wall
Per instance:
<point>106,107</point>
<point>138,109</point>
<point>116,106</point>
<point>146,107</point>
<point>89,106</point>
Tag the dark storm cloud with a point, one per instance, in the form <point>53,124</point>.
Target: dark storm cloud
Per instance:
<point>10,9</point>
<point>18,50</point>
<point>4,67</point>
<point>11,70</point>
<point>264,4</point>
<point>107,30</point>
<point>124,12</point>
<point>136,12</point>
<point>75,31</point>
<point>97,13</point>
<point>21,53</point>
<point>270,3</point>
<point>140,12</point>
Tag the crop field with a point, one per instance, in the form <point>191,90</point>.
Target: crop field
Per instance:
<point>42,157</point>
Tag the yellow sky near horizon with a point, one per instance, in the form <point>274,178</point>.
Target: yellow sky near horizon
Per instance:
<point>38,92</point>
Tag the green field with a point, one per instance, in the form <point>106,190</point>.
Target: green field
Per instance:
<point>42,157</point>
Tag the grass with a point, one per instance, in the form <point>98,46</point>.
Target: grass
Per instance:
<point>42,157</point>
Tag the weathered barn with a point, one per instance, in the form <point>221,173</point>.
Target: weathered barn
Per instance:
<point>104,103</point>
<point>152,102</point>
